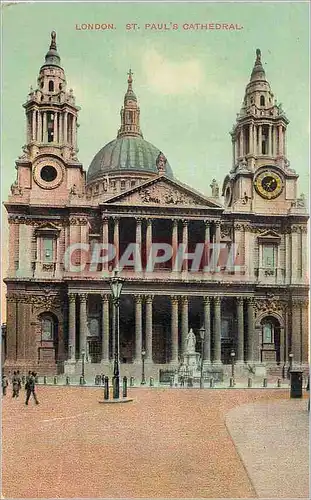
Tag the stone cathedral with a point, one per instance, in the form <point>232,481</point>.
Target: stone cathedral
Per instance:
<point>256,302</point>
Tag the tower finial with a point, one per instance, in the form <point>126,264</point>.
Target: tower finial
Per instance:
<point>53,41</point>
<point>258,56</point>
<point>130,79</point>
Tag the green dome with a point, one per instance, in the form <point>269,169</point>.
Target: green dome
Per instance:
<point>128,154</point>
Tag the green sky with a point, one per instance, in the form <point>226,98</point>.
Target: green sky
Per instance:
<point>190,84</point>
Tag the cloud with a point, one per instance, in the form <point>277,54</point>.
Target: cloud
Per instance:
<point>164,76</point>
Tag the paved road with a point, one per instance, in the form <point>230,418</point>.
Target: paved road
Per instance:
<point>273,442</point>
<point>166,443</point>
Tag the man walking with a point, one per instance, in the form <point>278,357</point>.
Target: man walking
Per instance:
<point>30,387</point>
<point>5,384</point>
<point>16,384</point>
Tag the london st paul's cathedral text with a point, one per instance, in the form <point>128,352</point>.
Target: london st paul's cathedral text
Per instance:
<point>159,26</point>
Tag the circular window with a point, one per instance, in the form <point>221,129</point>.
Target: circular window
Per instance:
<point>48,173</point>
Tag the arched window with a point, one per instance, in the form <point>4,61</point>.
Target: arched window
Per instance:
<point>267,333</point>
<point>51,86</point>
<point>47,327</point>
<point>262,100</point>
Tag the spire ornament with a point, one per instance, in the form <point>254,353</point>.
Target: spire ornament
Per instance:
<point>161,163</point>
<point>53,41</point>
<point>130,112</point>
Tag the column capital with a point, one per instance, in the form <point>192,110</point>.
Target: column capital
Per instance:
<point>149,221</point>
<point>175,222</point>
<point>138,299</point>
<point>217,223</point>
<point>149,298</point>
<point>240,300</point>
<point>207,299</point>
<point>207,223</point>
<point>83,297</point>
<point>174,298</point>
<point>138,220</point>
<point>185,222</point>
<point>105,219</point>
<point>250,301</point>
<point>116,219</point>
<point>72,297</point>
<point>104,297</point>
<point>184,299</point>
<point>217,301</point>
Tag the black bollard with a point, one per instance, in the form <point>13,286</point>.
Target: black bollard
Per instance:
<point>125,387</point>
<point>116,387</point>
<point>279,382</point>
<point>55,380</point>
<point>171,382</point>
<point>44,379</point>
<point>265,382</point>
<point>249,383</point>
<point>82,381</point>
<point>106,388</point>
<point>151,382</point>
<point>67,380</point>
<point>132,381</point>
<point>231,382</point>
<point>211,382</point>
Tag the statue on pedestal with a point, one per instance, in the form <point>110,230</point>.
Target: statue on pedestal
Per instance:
<point>190,342</point>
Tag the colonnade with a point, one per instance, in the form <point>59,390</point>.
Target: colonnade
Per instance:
<point>178,303</point>
<point>275,140</point>
<point>64,127</point>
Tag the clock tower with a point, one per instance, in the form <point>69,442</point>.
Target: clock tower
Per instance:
<point>260,179</point>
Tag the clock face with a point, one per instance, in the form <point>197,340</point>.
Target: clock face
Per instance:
<point>269,184</point>
<point>48,173</point>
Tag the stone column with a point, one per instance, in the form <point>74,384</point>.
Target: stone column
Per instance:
<point>148,239</point>
<point>138,328</point>
<point>240,317</point>
<point>34,125</point>
<point>260,140</point>
<point>250,329</point>
<point>241,143</point>
<point>282,345</point>
<point>105,239</point>
<point>11,323</point>
<point>275,144</point>
<point>270,141</point>
<point>255,140</point>
<point>207,326</point>
<point>72,326</point>
<point>116,240</point>
<point>105,327</point>
<point>138,266</point>
<point>174,241</point>
<point>39,126</point>
<point>174,328</point>
<point>295,255</point>
<point>251,140</point>
<point>185,242</point>
<point>281,152</point>
<point>45,129</point>
<point>304,254</point>
<point>296,331</point>
<point>184,322</point>
<point>60,128</point>
<point>217,330</point>
<point>55,127</point>
<point>83,324</point>
<point>65,127</point>
<point>233,153</point>
<point>304,330</point>
<point>148,345</point>
<point>217,224</point>
<point>207,239</point>
<point>74,131</point>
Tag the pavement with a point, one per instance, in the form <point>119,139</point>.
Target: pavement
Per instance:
<point>166,443</point>
<point>272,440</point>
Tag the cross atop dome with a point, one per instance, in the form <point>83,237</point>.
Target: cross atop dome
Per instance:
<point>53,41</point>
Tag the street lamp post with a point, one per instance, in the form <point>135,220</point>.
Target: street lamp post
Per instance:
<point>83,360</point>
<point>143,380</point>
<point>116,284</point>
<point>232,354</point>
<point>291,356</point>
<point>202,335</point>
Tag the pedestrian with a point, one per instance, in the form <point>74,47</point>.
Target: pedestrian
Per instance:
<point>103,379</point>
<point>182,381</point>
<point>5,384</point>
<point>16,384</point>
<point>30,387</point>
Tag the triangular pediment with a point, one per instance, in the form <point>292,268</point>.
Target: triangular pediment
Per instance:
<point>48,227</point>
<point>269,234</point>
<point>165,192</point>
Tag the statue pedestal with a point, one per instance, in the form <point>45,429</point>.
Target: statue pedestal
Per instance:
<point>191,360</point>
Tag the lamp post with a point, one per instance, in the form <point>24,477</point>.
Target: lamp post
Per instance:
<point>83,359</point>
<point>232,354</point>
<point>290,361</point>
<point>202,335</point>
<point>116,284</point>
<point>143,380</point>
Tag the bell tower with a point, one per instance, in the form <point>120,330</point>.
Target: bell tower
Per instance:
<point>260,179</point>
<point>49,159</point>
<point>130,112</point>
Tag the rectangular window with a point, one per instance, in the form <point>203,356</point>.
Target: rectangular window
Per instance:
<point>268,334</point>
<point>47,329</point>
<point>269,256</point>
<point>48,250</point>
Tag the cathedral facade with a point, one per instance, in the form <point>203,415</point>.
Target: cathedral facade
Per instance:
<point>237,267</point>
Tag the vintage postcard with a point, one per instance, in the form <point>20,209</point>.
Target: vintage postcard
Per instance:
<point>155,281</point>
